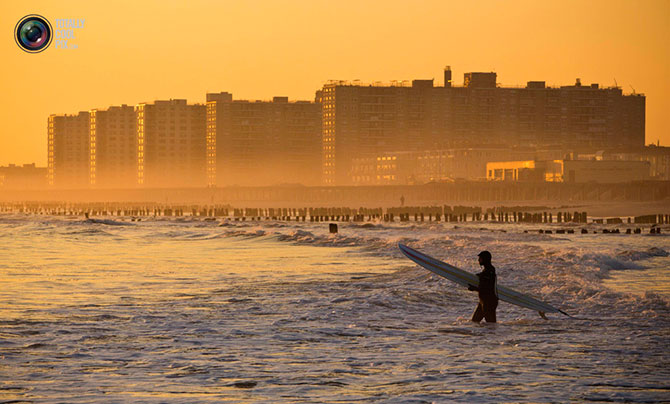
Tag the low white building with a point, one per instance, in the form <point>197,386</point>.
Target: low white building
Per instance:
<point>579,171</point>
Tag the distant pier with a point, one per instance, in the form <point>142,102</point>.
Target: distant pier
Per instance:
<point>416,214</point>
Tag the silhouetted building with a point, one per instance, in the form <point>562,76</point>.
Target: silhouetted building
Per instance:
<point>27,176</point>
<point>262,142</point>
<point>113,143</point>
<point>68,153</point>
<point>361,121</point>
<point>171,141</point>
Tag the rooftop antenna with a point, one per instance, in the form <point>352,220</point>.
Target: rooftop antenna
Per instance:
<point>616,85</point>
<point>632,88</point>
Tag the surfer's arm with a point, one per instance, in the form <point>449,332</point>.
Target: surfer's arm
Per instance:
<point>472,287</point>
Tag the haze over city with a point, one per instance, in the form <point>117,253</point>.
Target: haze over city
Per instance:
<point>139,52</point>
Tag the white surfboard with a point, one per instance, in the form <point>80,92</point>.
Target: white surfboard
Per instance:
<point>465,278</point>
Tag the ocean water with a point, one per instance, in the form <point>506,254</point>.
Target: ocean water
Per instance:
<point>184,310</point>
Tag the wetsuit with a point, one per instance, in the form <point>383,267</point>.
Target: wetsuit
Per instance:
<point>488,295</point>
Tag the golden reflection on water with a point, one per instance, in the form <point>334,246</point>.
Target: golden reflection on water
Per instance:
<point>105,266</point>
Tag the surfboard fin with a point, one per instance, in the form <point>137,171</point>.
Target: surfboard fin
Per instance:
<point>541,313</point>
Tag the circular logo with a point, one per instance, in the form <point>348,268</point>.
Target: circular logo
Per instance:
<point>33,33</point>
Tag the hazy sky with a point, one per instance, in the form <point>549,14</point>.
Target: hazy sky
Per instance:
<point>135,51</point>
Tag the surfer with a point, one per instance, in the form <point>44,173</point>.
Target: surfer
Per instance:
<point>488,291</point>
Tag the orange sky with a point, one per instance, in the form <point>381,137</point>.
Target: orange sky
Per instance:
<point>135,51</point>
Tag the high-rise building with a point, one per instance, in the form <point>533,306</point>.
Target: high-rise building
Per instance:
<point>262,142</point>
<point>113,146</point>
<point>171,144</point>
<point>360,121</point>
<point>68,153</point>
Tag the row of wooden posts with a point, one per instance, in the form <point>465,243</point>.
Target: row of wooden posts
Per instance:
<point>637,230</point>
<point>339,214</point>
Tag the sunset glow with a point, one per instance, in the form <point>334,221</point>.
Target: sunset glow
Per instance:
<point>139,52</point>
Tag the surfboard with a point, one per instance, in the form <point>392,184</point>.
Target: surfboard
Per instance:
<point>465,278</point>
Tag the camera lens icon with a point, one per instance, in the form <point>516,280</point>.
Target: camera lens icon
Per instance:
<point>33,33</point>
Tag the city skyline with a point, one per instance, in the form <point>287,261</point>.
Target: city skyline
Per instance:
<point>350,125</point>
<point>399,133</point>
<point>599,42</point>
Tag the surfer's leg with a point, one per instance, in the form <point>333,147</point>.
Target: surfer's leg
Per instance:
<point>478,315</point>
<point>490,311</point>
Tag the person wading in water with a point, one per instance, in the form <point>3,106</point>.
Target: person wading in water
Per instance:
<point>488,291</point>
